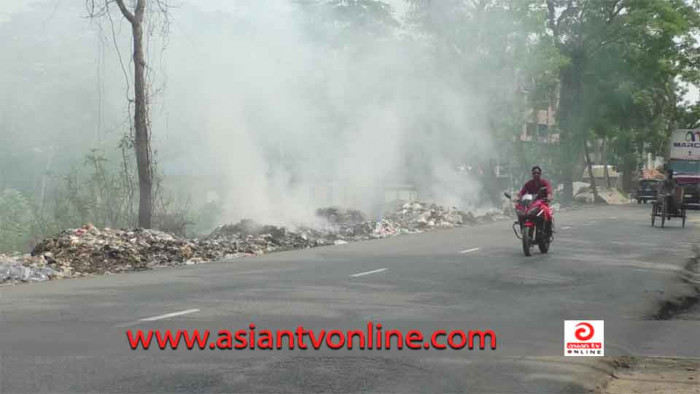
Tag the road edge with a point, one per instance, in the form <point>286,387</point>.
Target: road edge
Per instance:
<point>680,300</point>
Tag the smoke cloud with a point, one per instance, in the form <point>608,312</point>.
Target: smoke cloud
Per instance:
<point>288,116</point>
<point>276,107</point>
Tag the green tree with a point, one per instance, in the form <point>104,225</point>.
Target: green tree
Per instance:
<point>623,59</point>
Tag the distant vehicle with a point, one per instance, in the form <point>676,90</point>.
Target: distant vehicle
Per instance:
<point>647,190</point>
<point>684,161</point>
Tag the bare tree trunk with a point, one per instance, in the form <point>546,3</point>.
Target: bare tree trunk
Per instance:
<point>44,177</point>
<point>142,137</point>
<point>141,133</point>
<point>596,198</point>
<point>605,163</point>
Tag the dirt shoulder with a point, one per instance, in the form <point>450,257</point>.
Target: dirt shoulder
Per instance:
<point>655,375</point>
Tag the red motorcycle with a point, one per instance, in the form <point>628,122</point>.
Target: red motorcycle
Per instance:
<point>533,216</point>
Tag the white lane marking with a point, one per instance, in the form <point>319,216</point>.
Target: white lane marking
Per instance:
<point>566,228</point>
<point>469,250</point>
<point>369,272</point>
<point>169,315</point>
<point>133,323</point>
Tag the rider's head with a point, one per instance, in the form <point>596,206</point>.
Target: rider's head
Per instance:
<point>536,172</point>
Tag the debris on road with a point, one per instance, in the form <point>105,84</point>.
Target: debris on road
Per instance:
<point>89,250</point>
<point>609,195</point>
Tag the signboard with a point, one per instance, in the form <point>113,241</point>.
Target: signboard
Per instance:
<point>685,145</point>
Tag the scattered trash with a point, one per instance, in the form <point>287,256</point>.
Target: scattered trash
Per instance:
<point>609,195</point>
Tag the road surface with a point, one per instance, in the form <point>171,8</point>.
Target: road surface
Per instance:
<point>605,264</point>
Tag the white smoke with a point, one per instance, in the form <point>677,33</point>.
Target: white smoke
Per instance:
<point>287,123</point>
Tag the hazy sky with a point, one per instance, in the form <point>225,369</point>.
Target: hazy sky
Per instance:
<point>8,7</point>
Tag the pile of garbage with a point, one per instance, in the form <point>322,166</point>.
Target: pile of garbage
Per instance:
<point>250,237</point>
<point>340,216</point>
<point>89,250</point>
<point>415,216</point>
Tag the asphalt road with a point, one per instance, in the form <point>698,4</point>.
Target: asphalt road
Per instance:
<point>605,264</point>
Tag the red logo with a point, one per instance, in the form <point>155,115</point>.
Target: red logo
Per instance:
<point>584,333</point>
<point>584,338</point>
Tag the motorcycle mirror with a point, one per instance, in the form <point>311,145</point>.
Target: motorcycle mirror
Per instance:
<point>507,195</point>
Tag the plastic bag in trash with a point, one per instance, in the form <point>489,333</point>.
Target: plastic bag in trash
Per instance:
<point>20,272</point>
<point>4,272</point>
<point>42,274</point>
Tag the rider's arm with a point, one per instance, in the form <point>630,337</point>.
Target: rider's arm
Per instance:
<point>523,191</point>
<point>550,191</point>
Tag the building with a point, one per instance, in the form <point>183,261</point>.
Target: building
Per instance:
<point>540,127</point>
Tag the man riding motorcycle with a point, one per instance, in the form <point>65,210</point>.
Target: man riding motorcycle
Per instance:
<point>534,187</point>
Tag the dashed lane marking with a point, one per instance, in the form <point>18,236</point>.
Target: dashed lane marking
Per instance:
<point>161,317</point>
<point>369,272</point>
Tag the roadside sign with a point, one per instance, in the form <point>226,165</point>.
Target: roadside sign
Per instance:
<point>685,144</point>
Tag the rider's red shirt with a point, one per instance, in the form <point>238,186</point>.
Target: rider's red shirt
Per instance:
<point>533,187</point>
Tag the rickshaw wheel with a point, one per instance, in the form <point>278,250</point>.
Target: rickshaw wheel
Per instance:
<point>683,213</point>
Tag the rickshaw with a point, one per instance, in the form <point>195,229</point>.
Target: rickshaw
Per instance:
<point>685,192</point>
<point>659,208</point>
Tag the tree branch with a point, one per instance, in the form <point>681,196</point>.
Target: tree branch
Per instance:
<point>96,12</point>
<point>140,7</point>
<point>125,11</point>
<point>552,24</point>
<point>615,10</point>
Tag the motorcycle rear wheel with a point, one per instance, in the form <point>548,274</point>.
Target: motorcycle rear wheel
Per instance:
<point>527,240</point>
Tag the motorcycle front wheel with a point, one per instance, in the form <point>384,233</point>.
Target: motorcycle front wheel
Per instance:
<point>527,240</point>
<point>544,240</point>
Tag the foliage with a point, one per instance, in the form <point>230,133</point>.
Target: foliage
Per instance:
<point>101,192</point>
<point>620,82</point>
<point>15,220</point>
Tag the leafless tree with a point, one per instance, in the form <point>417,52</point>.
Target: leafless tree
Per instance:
<point>134,14</point>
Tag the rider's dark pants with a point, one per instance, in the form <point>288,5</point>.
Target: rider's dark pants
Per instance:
<point>671,203</point>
